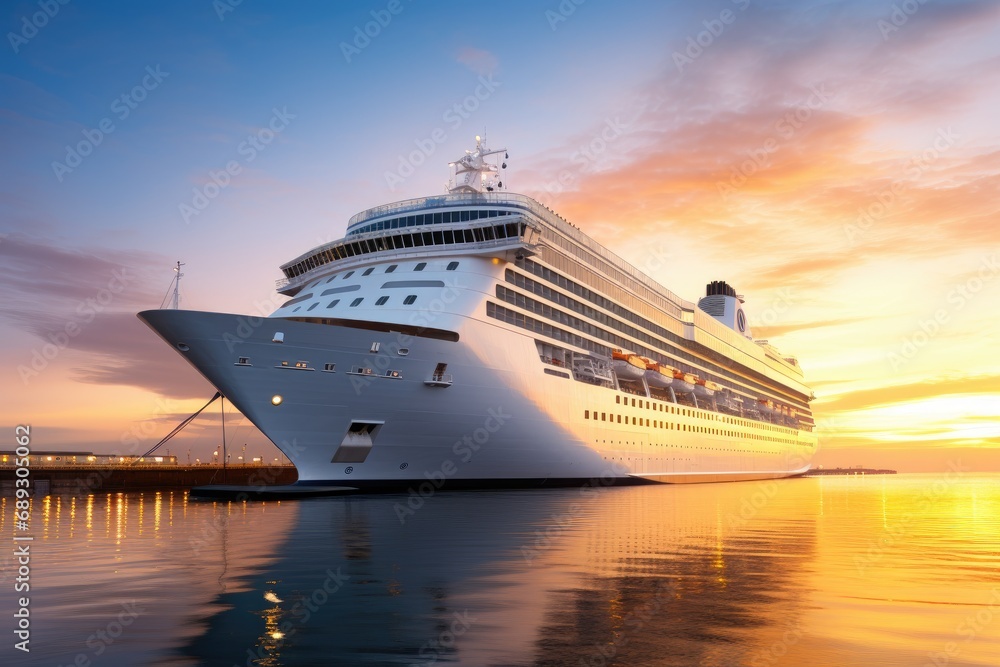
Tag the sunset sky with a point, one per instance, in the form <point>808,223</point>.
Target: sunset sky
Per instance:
<point>837,162</point>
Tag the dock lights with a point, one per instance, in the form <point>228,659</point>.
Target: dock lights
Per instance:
<point>276,399</point>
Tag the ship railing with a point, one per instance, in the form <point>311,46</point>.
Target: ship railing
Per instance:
<point>525,241</point>
<point>452,200</point>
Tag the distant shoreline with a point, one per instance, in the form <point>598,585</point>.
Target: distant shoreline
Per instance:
<point>850,471</point>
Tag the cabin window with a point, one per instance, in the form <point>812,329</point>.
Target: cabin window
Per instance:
<point>381,301</point>
<point>368,271</point>
<point>603,415</point>
<point>586,414</point>
<point>618,399</point>
<point>357,301</point>
<point>409,299</point>
<point>391,268</point>
<point>312,306</point>
<point>420,266</point>
<point>452,266</point>
<point>333,303</point>
<point>244,361</point>
<point>330,367</point>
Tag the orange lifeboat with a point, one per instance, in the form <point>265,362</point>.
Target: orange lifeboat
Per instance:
<point>706,388</point>
<point>627,366</point>
<point>684,382</point>
<point>658,375</point>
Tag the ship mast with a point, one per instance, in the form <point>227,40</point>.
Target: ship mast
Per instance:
<point>474,174</point>
<point>177,285</point>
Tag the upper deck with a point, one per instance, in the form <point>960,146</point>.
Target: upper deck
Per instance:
<point>477,219</point>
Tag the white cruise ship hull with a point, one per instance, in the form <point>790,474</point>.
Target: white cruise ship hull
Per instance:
<point>499,417</point>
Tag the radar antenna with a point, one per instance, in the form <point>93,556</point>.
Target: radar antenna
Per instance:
<point>473,173</point>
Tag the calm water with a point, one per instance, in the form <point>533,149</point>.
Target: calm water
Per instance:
<point>901,570</point>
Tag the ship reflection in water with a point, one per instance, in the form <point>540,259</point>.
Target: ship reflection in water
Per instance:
<point>824,572</point>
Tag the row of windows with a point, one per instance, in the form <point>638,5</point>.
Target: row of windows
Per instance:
<point>347,249</point>
<point>329,368</point>
<point>617,269</point>
<point>381,301</point>
<point>520,320</point>
<point>602,302</point>
<point>597,299</point>
<point>430,219</point>
<point>673,426</point>
<point>735,421</point>
<point>419,266</point>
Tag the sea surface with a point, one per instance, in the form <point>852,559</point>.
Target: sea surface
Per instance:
<point>829,572</point>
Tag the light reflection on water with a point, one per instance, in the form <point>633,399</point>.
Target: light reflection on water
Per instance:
<point>899,570</point>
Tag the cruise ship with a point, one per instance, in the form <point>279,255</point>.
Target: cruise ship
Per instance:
<point>478,339</point>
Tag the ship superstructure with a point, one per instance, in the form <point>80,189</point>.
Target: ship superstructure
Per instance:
<point>477,338</point>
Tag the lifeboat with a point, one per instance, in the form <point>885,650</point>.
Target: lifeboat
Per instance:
<point>658,375</point>
<point>706,388</point>
<point>684,382</point>
<point>627,366</point>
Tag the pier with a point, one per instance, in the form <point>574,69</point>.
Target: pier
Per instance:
<point>86,479</point>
